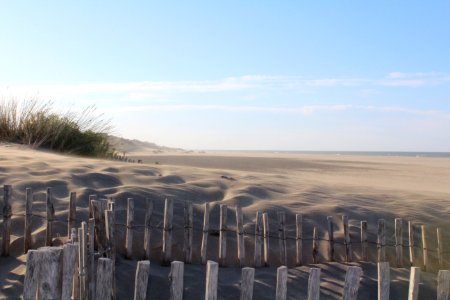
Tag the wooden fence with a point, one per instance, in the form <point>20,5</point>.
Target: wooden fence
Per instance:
<point>96,239</point>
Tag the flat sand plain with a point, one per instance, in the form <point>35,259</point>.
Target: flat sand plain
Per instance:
<point>315,185</point>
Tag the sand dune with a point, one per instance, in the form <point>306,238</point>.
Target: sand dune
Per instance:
<point>317,186</point>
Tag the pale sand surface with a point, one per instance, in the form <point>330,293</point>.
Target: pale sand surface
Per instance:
<point>317,186</point>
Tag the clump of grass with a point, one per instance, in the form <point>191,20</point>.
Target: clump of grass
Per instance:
<point>37,124</point>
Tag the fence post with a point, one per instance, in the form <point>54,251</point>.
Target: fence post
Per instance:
<point>104,284</point>
<point>30,281</point>
<point>50,217</point>
<point>443,284</point>
<point>315,250</point>
<point>381,241</point>
<point>348,245</point>
<point>72,213</point>
<point>282,237</point>
<point>176,279</point>
<point>411,242</point>
<point>91,276</point>
<point>258,238</point>
<point>364,240</point>
<point>440,247</point>
<point>384,280</point>
<point>299,239</point>
<point>130,224</point>
<point>314,284</point>
<point>247,281</point>
<point>148,229</point>
<point>28,214</point>
<point>91,209</point>
<point>98,213</point>
<point>167,234</point>
<point>76,278</point>
<point>330,238</point>
<point>424,247</point>
<point>7,214</point>
<point>266,238</point>
<point>69,264</point>
<point>188,231</point>
<point>351,284</point>
<point>281,289</point>
<point>223,235</point>
<point>212,272</point>
<point>414,280</point>
<point>399,242</point>
<point>48,272</point>
<point>82,259</point>
<point>204,246</point>
<point>240,236</point>
<point>110,234</point>
<point>141,280</point>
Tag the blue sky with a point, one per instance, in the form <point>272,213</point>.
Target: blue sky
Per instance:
<point>262,75</point>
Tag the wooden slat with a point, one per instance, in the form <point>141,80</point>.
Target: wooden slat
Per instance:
<point>98,213</point>
<point>399,242</point>
<point>91,258</point>
<point>7,214</point>
<point>247,282</point>
<point>315,248</point>
<point>330,238</point>
<point>71,218</point>
<point>414,280</point>
<point>384,280</point>
<point>110,234</point>
<point>424,247</point>
<point>443,284</point>
<point>28,213</point>
<point>282,237</point>
<point>130,224</point>
<point>176,280</point>
<point>223,235</point>
<point>381,241</point>
<point>212,273</point>
<point>148,229</point>
<point>82,259</point>
<point>411,242</point>
<point>440,247</point>
<point>167,232</point>
<point>104,283</point>
<point>31,279</point>
<point>204,246</point>
<point>281,289</point>
<point>258,239</point>
<point>299,239</point>
<point>188,231</point>
<point>141,280</point>
<point>240,236</point>
<point>68,270</point>
<point>50,218</point>
<point>266,238</point>
<point>364,240</point>
<point>347,242</point>
<point>314,284</point>
<point>351,284</point>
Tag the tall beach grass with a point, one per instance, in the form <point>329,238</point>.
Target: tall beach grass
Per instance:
<point>39,125</point>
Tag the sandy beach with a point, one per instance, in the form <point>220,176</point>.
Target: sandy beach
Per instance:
<point>314,185</point>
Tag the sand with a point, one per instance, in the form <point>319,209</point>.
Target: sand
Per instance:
<point>315,185</point>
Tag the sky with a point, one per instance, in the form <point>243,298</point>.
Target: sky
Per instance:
<point>240,75</point>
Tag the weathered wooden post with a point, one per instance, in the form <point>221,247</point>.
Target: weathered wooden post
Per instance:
<point>50,218</point>
<point>424,247</point>
<point>299,239</point>
<point>364,240</point>
<point>266,239</point>
<point>141,280</point>
<point>440,248</point>
<point>381,241</point>
<point>282,237</point>
<point>414,280</point>
<point>71,218</point>
<point>188,231</point>
<point>68,272</point>
<point>110,234</point>
<point>315,250</point>
<point>384,280</point>
<point>258,239</point>
<point>223,235</point>
<point>314,284</point>
<point>399,242</point>
<point>30,282</point>
<point>411,242</point>
<point>148,229</point>
<point>167,232</point>
<point>204,247</point>
<point>281,289</point>
<point>212,273</point>
<point>7,214</point>
<point>28,214</point>
<point>104,283</point>
<point>91,208</point>
<point>176,280</point>
<point>347,242</point>
<point>82,259</point>
<point>76,278</point>
<point>330,238</point>
<point>91,258</point>
<point>443,284</point>
<point>240,236</point>
<point>98,212</point>
<point>351,285</point>
<point>247,281</point>
<point>130,225</point>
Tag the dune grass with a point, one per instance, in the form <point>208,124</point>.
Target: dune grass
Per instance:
<point>39,125</point>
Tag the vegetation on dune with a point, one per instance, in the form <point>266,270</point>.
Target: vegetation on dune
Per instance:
<point>39,125</point>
